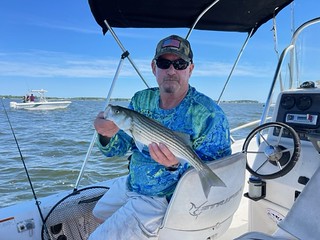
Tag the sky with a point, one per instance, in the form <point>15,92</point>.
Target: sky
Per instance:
<point>58,46</point>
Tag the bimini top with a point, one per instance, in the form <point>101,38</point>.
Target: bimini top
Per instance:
<point>226,15</point>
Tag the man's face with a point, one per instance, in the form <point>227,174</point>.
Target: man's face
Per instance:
<point>171,80</point>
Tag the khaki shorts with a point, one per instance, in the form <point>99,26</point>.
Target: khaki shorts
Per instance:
<point>128,215</point>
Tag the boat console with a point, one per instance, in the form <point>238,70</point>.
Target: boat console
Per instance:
<point>299,110</point>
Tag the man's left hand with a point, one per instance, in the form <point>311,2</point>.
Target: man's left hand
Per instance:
<point>161,154</point>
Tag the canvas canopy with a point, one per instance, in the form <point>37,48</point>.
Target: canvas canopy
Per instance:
<point>226,15</point>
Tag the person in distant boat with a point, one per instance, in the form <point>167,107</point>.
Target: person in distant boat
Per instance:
<point>134,206</point>
<point>32,98</point>
<point>28,98</point>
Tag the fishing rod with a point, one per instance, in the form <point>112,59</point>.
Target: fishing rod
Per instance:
<point>93,140</point>
<point>26,170</point>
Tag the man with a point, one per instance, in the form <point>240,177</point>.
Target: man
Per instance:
<point>32,98</point>
<point>135,205</point>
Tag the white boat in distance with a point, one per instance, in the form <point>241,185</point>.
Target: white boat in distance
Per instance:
<point>273,175</point>
<point>40,103</point>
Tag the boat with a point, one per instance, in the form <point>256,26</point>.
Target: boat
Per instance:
<point>272,177</point>
<point>39,102</point>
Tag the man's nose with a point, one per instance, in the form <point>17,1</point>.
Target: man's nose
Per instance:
<point>171,70</point>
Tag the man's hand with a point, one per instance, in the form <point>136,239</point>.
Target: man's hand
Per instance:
<point>162,154</point>
<point>105,127</point>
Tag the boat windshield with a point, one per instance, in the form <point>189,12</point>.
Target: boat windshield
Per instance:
<point>302,62</point>
<point>298,64</point>
<point>308,55</point>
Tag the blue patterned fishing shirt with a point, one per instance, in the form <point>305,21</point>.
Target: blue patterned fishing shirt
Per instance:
<point>197,116</point>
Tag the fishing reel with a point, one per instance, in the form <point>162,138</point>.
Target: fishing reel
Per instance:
<point>274,152</point>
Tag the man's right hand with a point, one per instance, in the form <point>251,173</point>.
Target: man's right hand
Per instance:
<point>105,127</point>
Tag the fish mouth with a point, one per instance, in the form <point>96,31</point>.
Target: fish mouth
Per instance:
<point>107,112</point>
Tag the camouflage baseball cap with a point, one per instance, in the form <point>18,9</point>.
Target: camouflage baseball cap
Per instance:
<point>176,45</point>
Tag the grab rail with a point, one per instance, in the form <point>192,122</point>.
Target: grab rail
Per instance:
<point>246,125</point>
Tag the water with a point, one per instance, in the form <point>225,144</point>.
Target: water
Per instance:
<point>54,144</point>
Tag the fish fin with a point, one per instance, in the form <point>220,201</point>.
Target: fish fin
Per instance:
<point>182,160</point>
<point>209,179</point>
<point>129,133</point>
<point>184,137</point>
<point>139,145</point>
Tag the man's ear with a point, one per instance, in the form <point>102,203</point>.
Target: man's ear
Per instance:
<point>153,67</point>
<point>191,69</point>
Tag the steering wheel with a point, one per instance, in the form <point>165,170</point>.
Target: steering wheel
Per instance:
<point>266,158</point>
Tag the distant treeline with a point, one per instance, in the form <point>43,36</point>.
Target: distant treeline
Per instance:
<point>71,98</point>
<point>118,99</point>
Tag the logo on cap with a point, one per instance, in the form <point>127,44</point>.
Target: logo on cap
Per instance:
<point>171,43</point>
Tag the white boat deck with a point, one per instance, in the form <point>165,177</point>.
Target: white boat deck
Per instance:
<point>239,225</point>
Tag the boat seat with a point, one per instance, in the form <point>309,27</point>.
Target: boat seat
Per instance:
<point>297,222</point>
<point>190,215</point>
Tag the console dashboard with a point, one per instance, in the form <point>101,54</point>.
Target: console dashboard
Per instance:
<point>300,109</point>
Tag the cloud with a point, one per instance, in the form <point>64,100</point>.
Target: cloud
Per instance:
<point>222,69</point>
<point>58,64</point>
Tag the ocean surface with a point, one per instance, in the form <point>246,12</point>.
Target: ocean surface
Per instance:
<point>54,145</point>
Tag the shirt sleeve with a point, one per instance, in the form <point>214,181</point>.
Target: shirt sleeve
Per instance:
<point>119,145</point>
<point>212,135</point>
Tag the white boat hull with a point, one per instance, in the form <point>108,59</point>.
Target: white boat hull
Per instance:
<point>40,105</point>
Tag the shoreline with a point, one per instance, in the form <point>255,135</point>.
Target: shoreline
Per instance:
<point>117,99</point>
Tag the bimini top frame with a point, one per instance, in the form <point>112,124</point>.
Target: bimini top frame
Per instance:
<point>219,15</point>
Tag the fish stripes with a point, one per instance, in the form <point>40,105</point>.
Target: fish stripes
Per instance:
<point>145,131</point>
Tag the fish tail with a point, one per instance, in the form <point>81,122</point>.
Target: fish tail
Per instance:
<point>209,179</point>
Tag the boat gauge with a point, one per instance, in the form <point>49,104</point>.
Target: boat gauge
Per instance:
<point>287,102</point>
<point>304,103</point>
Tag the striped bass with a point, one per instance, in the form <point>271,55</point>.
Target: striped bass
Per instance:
<point>145,131</point>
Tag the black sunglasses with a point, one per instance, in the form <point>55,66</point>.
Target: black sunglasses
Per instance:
<point>178,64</point>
